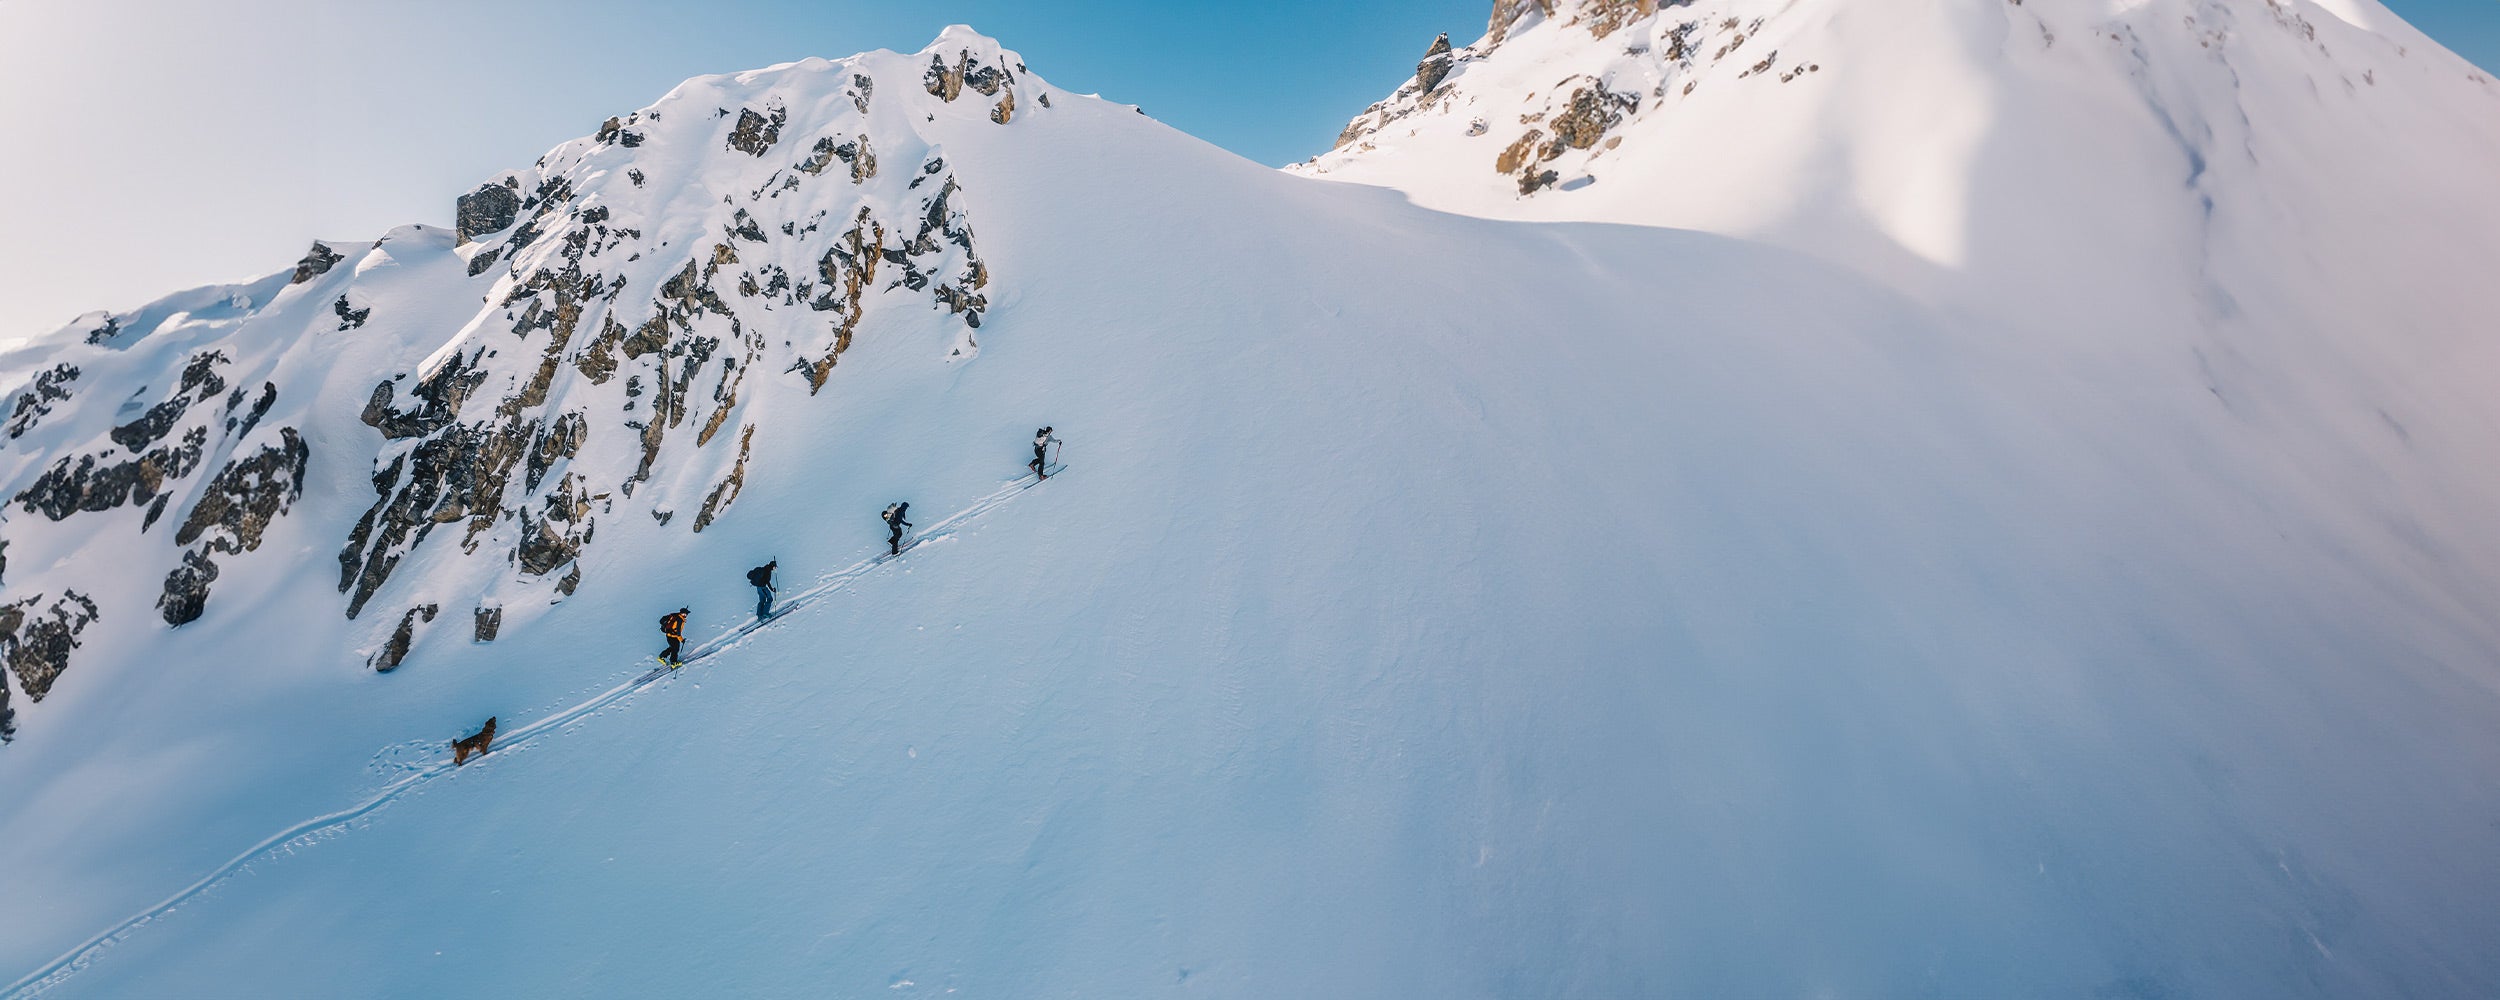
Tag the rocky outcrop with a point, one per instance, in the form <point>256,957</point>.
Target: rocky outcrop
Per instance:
<point>1591,112</point>
<point>756,133</point>
<point>486,442</point>
<point>1605,17</point>
<point>95,486</point>
<point>855,153</point>
<point>616,130</point>
<point>457,473</point>
<point>489,209</point>
<point>1582,123</point>
<point>50,388</point>
<point>317,262</point>
<point>394,652</point>
<point>186,590</point>
<point>199,380</point>
<point>438,396</point>
<point>1519,153</point>
<point>948,82</point>
<point>350,317</point>
<point>944,82</point>
<point>727,492</point>
<point>1436,64</point>
<point>232,516</point>
<point>37,643</point>
<point>1507,12</point>
<point>102,327</point>
<point>848,268</point>
<point>238,506</point>
<point>1600,17</point>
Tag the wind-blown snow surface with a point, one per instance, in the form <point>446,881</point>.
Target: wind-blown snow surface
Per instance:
<point>1433,606</point>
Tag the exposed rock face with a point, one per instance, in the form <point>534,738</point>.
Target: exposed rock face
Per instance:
<point>1580,122</point>
<point>37,644</point>
<point>1436,64</point>
<point>394,652</point>
<point>948,82</point>
<point>317,262</point>
<point>1518,154</point>
<point>438,396</point>
<point>107,327</point>
<point>489,209</point>
<point>244,498</point>
<point>1507,11</point>
<point>1605,17</point>
<point>1592,111</point>
<point>944,82</point>
<point>67,489</point>
<point>727,492</point>
<point>349,316</point>
<point>186,589</point>
<point>50,388</point>
<point>600,362</point>
<point>756,133</point>
<point>231,516</point>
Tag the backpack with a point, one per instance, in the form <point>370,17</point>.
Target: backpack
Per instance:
<point>760,576</point>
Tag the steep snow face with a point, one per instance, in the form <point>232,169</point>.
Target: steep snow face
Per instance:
<point>1432,605</point>
<point>590,354</point>
<point>2208,171</point>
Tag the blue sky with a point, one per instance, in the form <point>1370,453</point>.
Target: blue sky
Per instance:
<point>188,142</point>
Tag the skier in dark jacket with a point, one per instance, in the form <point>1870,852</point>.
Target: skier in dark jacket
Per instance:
<point>674,627</point>
<point>1041,453</point>
<point>762,578</point>
<point>894,520</point>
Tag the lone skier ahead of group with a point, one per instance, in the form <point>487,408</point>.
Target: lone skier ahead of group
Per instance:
<point>762,578</point>
<point>894,520</point>
<point>673,625</point>
<point>1041,453</point>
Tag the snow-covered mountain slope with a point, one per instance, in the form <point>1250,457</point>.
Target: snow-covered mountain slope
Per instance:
<point>2184,183</point>
<point>560,364</point>
<point>1432,605</point>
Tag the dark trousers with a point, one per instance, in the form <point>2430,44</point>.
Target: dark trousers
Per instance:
<point>894,545</point>
<point>763,602</point>
<point>670,654</point>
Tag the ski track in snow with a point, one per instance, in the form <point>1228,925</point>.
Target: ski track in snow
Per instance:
<point>321,827</point>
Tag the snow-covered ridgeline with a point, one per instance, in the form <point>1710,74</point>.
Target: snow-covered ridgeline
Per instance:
<point>596,342</point>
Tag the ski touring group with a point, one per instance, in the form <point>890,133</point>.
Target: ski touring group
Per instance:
<point>673,624</point>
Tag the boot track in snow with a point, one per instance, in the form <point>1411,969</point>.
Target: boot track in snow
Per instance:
<point>70,963</point>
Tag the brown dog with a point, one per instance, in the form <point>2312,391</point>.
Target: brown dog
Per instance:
<point>478,744</point>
